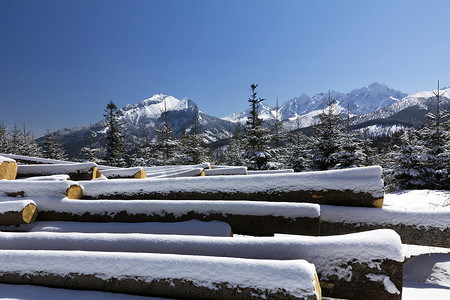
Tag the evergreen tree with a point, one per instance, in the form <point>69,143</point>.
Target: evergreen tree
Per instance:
<point>114,137</point>
<point>278,150</point>
<point>234,151</point>
<point>256,155</point>
<point>90,152</point>
<point>23,143</point>
<point>350,152</point>
<point>327,137</point>
<point>298,154</point>
<point>195,152</point>
<point>165,146</point>
<point>4,141</point>
<point>52,149</point>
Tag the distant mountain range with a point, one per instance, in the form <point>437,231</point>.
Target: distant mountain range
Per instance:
<point>374,106</point>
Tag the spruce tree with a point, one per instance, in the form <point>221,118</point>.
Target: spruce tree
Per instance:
<point>165,146</point>
<point>90,152</point>
<point>52,149</point>
<point>4,141</point>
<point>114,137</point>
<point>195,151</point>
<point>277,146</point>
<point>327,137</point>
<point>256,154</point>
<point>234,151</point>
<point>298,152</point>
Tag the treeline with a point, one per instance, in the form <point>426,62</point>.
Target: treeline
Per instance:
<point>413,158</point>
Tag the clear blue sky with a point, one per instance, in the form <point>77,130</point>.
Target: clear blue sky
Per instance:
<point>61,62</point>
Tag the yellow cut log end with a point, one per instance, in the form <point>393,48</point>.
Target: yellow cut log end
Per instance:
<point>141,174</point>
<point>29,213</point>
<point>317,287</point>
<point>378,202</point>
<point>8,170</point>
<point>96,173</point>
<point>74,192</point>
<point>202,173</point>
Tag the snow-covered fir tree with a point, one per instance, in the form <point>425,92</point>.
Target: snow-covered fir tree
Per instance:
<point>90,152</point>
<point>298,152</point>
<point>234,151</point>
<point>350,153</point>
<point>277,142</point>
<point>4,141</point>
<point>195,152</point>
<point>165,147</point>
<point>114,137</point>
<point>52,149</point>
<point>23,143</point>
<point>256,135</point>
<point>327,137</point>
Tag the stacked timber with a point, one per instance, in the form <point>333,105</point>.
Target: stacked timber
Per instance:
<point>354,266</point>
<point>163,275</point>
<point>41,189</point>
<point>8,168</point>
<point>225,170</point>
<point>76,171</point>
<point>350,187</point>
<point>17,212</point>
<point>245,217</point>
<point>136,173</point>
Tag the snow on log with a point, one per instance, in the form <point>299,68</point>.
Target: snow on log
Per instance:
<point>163,275</point>
<point>244,217</point>
<point>417,227</point>
<point>136,172</point>
<point>24,188</point>
<point>226,171</point>
<point>8,168</point>
<point>192,227</point>
<point>76,171</point>
<point>17,212</point>
<point>34,160</point>
<point>350,187</point>
<point>342,262</point>
<point>176,167</point>
<point>180,173</point>
<point>61,177</point>
<point>265,172</point>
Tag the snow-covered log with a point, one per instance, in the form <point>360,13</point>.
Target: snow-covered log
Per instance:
<point>34,160</point>
<point>192,172</point>
<point>176,167</point>
<point>164,275</point>
<point>417,227</point>
<point>244,217</point>
<point>76,171</point>
<point>192,227</point>
<point>350,187</point>
<point>345,264</point>
<point>265,172</point>
<point>226,171</point>
<point>17,212</point>
<point>25,188</point>
<point>8,168</point>
<point>136,172</point>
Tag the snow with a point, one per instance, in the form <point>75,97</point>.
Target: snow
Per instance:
<point>6,159</point>
<point>215,171</point>
<point>294,276</point>
<point>126,172</point>
<point>367,180</point>
<point>414,208</point>
<point>283,171</point>
<point>34,188</point>
<point>191,227</point>
<point>54,168</point>
<point>14,206</point>
<point>388,284</point>
<point>60,177</point>
<point>35,159</point>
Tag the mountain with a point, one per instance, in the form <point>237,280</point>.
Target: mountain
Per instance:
<point>141,119</point>
<point>360,101</point>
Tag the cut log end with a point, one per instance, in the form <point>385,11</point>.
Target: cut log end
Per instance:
<point>317,287</point>
<point>74,192</point>
<point>96,173</point>
<point>29,213</point>
<point>202,173</point>
<point>8,170</point>
<point>141,174</point>
<point>378,202</point>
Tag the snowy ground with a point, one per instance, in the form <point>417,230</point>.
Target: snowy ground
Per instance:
<point>426,274</point>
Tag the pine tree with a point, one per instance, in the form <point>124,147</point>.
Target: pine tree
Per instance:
<point>114,137</point>
<point>327,137</point>
<point>350,152</point>
<point>196,152</point>
<point>23,143</point>
<point>234,151</point>
<point>165,146</point>
<point>4,141</point>
<point>298,154</point>
<point>277,149</point>
<point>256,155</point>
<point>52,149</point>
<point>90,152</point>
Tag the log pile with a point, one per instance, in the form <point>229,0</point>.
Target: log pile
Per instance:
<point>76,171</point>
